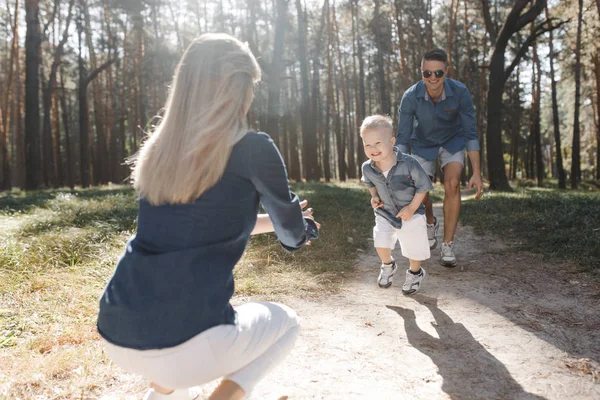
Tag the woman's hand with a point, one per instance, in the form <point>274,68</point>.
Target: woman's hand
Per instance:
<point>308,213</point>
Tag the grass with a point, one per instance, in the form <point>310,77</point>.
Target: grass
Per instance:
<point>559,224</point>
<point>58,249</point>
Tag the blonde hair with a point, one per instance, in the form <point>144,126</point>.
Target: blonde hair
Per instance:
<point>204,117</point>
<point>376,121</point>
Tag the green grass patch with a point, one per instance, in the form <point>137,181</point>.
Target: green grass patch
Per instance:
<point>560,225</point>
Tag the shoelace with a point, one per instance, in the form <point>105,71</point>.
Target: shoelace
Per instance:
<point>446,249</point>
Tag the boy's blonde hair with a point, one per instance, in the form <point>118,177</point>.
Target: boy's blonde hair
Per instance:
<point>204,117</point>
<point>377,121</point>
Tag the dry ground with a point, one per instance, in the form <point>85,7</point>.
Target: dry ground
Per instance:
<point>502,325</point>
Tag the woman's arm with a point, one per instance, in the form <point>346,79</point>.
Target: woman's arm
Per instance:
<point>263,225</point>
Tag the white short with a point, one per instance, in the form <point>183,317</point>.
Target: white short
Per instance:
<point>445,158</point>
<point>412,237</point>
<point>242,353</point>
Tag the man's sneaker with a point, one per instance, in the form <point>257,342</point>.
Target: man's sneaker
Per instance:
<point>431,233</point>
<point>447,257</point>
<point>412,284</point>
<point>386,274</point>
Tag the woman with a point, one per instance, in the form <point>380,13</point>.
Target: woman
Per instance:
<point>166,313</point>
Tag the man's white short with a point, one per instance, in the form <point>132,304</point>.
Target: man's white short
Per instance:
<point>412,237</point>
<point>445,158</point>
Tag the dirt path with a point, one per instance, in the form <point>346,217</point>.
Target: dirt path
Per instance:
<point>502,325</point>
<point>499,326</point>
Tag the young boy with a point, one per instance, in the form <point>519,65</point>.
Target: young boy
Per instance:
<point>398,184</point>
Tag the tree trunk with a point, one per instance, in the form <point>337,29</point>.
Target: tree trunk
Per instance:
<point>330,101</point>
<point>597,73</point>
<point>33,40</point>
<point>348,143</point>
<point>381,45</point>
<point>339,139</point>
<point>309,132</point>
<point>535,106</point>
<point>576,162</point>
<point>562,180</point>
<point>450,38</point>
<point>291,121</point>
<point>316,112</point>
<point>515,21</point>
<point>66,112</point>
<point>275,72</point>
<point>360,99</point>
<point>50,145</point>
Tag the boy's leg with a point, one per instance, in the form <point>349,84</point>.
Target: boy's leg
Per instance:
<point>415,247</point>
<point>384,239</point>
<point>384,254</point>
<point>432,224</point>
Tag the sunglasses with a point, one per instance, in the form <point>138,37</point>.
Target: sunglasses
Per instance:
<point>438,73</point>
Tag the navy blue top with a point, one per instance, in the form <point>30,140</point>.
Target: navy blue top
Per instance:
<point>175,278</point>
<point>427,126</point>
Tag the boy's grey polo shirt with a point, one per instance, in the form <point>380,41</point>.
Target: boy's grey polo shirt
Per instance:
<point>405,179</point>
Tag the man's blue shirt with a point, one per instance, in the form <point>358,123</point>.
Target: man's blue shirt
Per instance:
<point>427,126</point>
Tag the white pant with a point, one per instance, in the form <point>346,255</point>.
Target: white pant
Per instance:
<point>242,353</point>
<point>412,237</point>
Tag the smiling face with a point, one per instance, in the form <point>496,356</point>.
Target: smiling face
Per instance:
<point>379,143</point>
<point>433,83</point>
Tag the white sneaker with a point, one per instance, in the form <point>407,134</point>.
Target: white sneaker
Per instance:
<point>432,232</point>
<point>386,273</point>
<point>193,393</point>
<point>447,257</point>
<point>412,284</point>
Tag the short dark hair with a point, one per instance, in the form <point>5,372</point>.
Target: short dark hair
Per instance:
<point>436,55</point>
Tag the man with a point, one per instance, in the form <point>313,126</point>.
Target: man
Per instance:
<point>436,116</point>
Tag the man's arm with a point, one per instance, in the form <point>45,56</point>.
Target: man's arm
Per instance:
<point>467,120</point>
<point>406,114</point>
<point>476,177</point>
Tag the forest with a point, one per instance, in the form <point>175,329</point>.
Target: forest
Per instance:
<point>82,82</point>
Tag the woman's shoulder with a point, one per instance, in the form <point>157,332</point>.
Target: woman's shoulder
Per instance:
<point>256,138</point>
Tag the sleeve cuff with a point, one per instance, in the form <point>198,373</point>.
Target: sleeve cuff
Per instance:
<point>312,233</point>
<point>473,144</point>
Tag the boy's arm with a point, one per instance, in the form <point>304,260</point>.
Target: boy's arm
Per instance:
<point>375,199</point>
<point>422,184</point>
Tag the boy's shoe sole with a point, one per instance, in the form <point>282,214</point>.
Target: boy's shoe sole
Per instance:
<point>449,264</point>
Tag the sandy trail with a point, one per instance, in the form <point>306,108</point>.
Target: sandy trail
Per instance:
<point>502,325</point>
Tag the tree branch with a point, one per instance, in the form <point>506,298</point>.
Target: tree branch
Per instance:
<point>543,27</point>
<point>531,14</point>
<point>98,70</point>
<point>489,25</point>
<point>47,25</point>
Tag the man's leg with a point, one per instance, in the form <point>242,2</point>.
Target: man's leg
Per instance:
<point>452,173</point>
<point>428,209</point>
